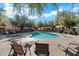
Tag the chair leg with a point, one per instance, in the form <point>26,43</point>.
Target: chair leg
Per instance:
<point>14,54</point>
<point>10,52</point>
<point>25,53</point>
<point>66,54</point>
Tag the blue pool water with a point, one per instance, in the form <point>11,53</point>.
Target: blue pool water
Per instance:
<point>44,35</point>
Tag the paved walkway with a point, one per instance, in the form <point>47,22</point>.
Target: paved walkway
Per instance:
<point>53,44</point>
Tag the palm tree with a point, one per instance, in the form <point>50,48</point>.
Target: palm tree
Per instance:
<point>33,7</point>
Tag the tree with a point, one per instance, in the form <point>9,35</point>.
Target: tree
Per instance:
<point>32,7</point>
<point>30,24</point>
<point>2,17</point>
<point>22,22</point>
<point>66,19</point>
<point>69,23</point>
<point>60,18</point>
<point>13,22</point>
<point>40,24</point>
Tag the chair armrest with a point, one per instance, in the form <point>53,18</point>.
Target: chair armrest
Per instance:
<point>77,44</point>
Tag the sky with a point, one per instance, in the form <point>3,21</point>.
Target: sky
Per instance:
<point>48,13</point>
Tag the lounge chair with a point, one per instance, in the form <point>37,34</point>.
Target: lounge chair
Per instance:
<point>42,49</point>
<point>70,51</point>
<point>17,48</point>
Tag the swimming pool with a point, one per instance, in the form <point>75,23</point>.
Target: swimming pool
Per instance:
<point>44,35</point>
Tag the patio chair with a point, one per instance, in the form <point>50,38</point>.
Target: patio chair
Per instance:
<point>18,50</point>
<point>71,51</point>
<point>42,49</point>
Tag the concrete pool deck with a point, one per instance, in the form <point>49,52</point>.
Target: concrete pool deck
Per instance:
<point>64,39</point>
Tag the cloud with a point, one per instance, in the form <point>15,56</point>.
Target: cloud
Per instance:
<point>10,13</point>
<point>32,17</point>
<point>76,9</point>
<point>9,10</point>
<point>60,9</point>
<point>52,13</point>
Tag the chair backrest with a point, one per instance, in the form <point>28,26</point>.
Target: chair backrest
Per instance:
<point>71,51</point>
<point>13,41</point>
<point>42,48</point>
<point>17,49</point>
